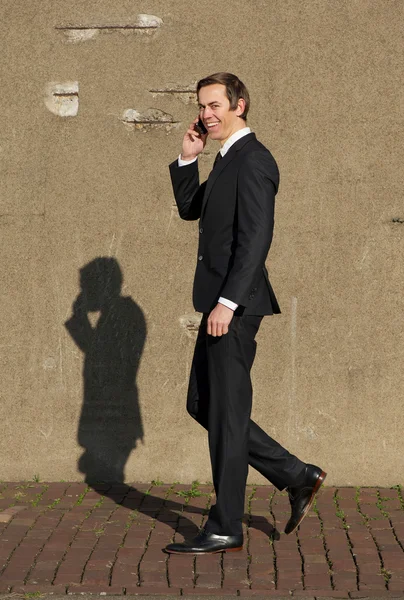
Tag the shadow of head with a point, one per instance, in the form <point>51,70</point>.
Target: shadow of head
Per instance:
<point>100,282</point>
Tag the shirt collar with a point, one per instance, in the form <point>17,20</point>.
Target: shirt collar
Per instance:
<point>234,138</point>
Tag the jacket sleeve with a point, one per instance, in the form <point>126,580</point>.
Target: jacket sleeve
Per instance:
<point>187,191</point>
<point>257,185</point>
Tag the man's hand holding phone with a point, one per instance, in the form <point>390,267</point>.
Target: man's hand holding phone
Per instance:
<point>194,140</point>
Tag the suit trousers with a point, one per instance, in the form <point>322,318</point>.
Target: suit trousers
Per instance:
<point>220,399</point>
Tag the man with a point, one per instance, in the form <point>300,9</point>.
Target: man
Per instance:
<point>232,290</point>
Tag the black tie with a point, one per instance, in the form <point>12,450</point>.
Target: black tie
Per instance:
<point>218,157</point>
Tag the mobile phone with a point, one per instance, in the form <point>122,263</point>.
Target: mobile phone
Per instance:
<point>200,127</point>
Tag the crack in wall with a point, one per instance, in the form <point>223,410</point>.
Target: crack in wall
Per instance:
<point>187,95</point>
<point>62,99</point>
<point>152,118</point>
<point>66,94</point>
<point>102,27</point>
<point>143,25</point>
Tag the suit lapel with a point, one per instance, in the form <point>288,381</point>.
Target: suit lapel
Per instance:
<point>221,165</point>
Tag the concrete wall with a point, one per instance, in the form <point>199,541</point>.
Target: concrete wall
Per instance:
<point>94,103</point>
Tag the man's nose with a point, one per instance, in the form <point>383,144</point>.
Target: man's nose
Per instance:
<point>206,113</point>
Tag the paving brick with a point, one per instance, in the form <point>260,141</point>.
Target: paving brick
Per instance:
<point>42,589</point>
<point>152,591</point>
<point>262,593</point>
<point>214,592</point>
<point>104,590</point>
<point>375,594</point>
<point>318,593</point>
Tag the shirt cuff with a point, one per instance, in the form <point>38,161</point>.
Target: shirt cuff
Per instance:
<point>183,163</point>
<point>228,303</point>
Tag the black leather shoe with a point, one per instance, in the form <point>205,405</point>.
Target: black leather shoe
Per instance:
<point>207,543</point>
<point>301,496</point>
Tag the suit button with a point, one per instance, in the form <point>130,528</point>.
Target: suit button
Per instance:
<point>201,230</point>
<point>200,257</point>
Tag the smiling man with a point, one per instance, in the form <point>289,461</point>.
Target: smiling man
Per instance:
<point>235,208</point>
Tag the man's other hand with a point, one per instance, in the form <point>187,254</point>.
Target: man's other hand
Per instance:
<point>219,320</point>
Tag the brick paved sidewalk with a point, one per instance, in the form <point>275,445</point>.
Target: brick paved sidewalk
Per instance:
<point>69,538</point>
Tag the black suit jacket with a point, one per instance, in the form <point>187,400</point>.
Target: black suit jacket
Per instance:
<point>236,211</point>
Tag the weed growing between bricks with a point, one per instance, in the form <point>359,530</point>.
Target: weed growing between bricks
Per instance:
<point>381,507</point>
<point>146,544</point>
<point>34,562</point>
<point>193,492</point>
<point>325,545</point>
<point>86,515</point>
<point>299,548</point>
<point>341,515</point>
<point>249,557</point>
<point>194,488</point>
<point>131,518</point>
<point>367,520</point>
<point>272,539</point>
<point>33,503</point>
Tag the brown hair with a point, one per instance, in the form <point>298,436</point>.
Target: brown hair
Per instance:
<point>235,89</point>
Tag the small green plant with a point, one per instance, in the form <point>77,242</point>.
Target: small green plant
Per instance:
<point>38,496</point>
<point>157,482</point>
<point>33,595</point>
<point>100,531</point>
<point>191,493</point>
<point>19,495</point>
<point>54,503</point>
<point>399,490</point>
<point>133,515</point>
<point>380,506</point>
<point>340,513</point>
<point>82,495</point>
<point>37,479</point>
<point>386,574</point>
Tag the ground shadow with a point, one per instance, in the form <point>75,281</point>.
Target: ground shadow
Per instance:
<point>172,512</point>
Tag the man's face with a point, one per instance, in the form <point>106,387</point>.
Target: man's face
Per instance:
<point>214,110</point>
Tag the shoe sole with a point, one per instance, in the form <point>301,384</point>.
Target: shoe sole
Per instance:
<point>208,552</point>
<point>318,485</point>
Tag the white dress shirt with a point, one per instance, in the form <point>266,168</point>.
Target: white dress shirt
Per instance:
<point>181,163</point>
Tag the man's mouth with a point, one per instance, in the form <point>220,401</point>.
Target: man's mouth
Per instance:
<point>212,126</point>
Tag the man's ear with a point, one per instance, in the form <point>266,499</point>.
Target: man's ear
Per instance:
<point>240,106</point>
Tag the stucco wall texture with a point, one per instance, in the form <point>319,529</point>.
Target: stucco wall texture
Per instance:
<point>95,99</point>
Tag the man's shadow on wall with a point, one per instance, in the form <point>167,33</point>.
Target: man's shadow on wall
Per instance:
<point>110,423</point>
